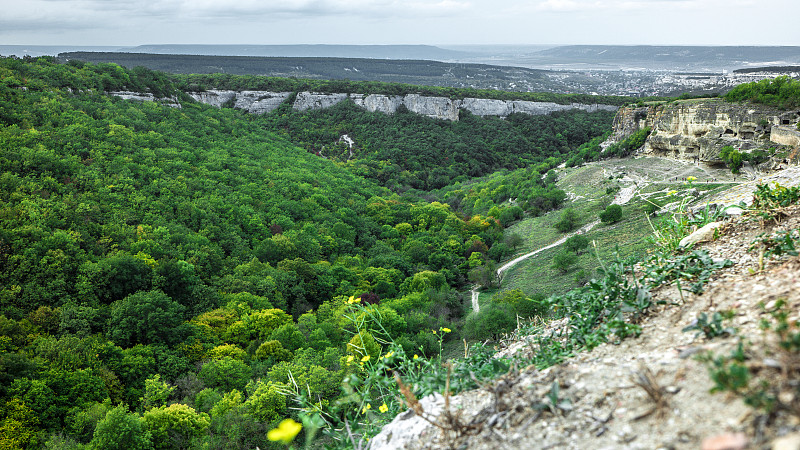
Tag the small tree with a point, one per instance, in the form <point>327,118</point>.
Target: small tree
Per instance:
<point>568,222</point>
<point>513,240</point>
<point>156,392</point>
<point>175,426</point>
<point>564,260</point>
<point>612,214</point>
<point>121,429</point>
<point>732,158</point>
<point>577,243</point>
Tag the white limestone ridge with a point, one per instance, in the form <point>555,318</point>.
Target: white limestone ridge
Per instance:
<point>260,102</point>
<point>146,97</point>
<point>696,130</point>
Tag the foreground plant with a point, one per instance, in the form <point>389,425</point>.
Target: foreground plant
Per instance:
<point>767,382</point>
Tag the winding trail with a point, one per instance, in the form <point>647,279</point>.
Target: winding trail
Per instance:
<point>623,197</point>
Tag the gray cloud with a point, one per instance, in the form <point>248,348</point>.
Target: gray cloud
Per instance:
<point>131,22</point>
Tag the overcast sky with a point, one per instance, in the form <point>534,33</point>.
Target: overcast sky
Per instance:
<point>442,22</point>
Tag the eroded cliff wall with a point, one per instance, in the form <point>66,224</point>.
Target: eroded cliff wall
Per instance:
<point>697,130</point>
<point>259,102</point>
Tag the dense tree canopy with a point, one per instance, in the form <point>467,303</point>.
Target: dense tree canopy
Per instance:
<point>167,274</point>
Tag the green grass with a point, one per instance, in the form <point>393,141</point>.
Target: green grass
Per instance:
<point>630,236</point>
<point>536,276</point>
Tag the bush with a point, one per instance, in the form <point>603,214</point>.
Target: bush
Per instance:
<point>121,429</point>
<point>629,144</point>
<point>500,251</point>
<point>612,214</point>
<point>577,243</point>
<point>175,426</point>
<point>568,222</point>
<point>732,158</point>
<point>564,260</point>
<point>226,373</point>
<point>492,321</point>
<point>522,305</point>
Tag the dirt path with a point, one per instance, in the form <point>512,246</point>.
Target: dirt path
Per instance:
<point>624,196</point>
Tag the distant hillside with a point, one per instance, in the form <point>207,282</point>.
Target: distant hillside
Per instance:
<point>306,50</point>
<point>772,69</point>
<point>665,57</point>
<point>418,72</point>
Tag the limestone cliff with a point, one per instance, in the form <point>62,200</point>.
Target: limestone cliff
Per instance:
<point>145,97</point>
<point>254,102</point>
<point>697,129</point>
<point>259,102</point>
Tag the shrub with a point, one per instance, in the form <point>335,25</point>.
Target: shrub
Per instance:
<point>226,373</point>
<point>121,429</point>
<point>612,214</point>
<point>568,222</point>
<point>577,243</point>
<point>492,321</point>
<point>564,260</point>
<point>732,158</point>
<point>175,426</point>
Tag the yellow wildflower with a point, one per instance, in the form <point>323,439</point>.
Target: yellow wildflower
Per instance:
<point>286,431</point>
<point>353,299</point>
<point>416,356</point>
<point>365,359</point>
<point>446,330</point>
<point>434,331</point>
<point>389,355</point>
<point>366,408</point>
<point>350,358</point>
<point>383,408</point>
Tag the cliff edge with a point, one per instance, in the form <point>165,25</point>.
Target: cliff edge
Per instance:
<point>696,130</point>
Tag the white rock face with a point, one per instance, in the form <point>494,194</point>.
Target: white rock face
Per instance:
<point>315,100</point>
<point>488,107</point>
<point>138,96</point>
<point>213,97</point>
<point>697,130</point>
<point>408,430</point>
<point>437,107</point>
<point>260,102</point>
<point>785,135</point>
<point>377,102</point>
<point>254,102</point>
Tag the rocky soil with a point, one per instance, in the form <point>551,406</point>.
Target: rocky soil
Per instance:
<point>602,395</point>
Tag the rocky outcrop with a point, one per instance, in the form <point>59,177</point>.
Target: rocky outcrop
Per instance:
<point>785,135</point>
<point>696,130</point>
<point>254,102</point>
<point>145,97</point>
<point>260,102</point>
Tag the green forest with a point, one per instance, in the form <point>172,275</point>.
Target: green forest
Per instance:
<point>409,151</point>
<point>198,278</point>
<point>783,92</point>
<point>170,276</point>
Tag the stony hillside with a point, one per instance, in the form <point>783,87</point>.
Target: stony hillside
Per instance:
<point>654,390</point>
<point>696,130</point>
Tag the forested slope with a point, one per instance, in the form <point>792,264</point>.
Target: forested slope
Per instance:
<point>174,277</point>
<point>406,150</point>
<point>139,241</point>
